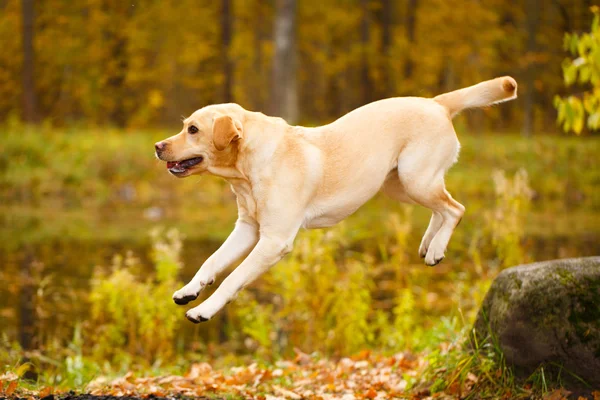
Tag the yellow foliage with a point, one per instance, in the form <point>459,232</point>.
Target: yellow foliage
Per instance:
<point>132,314</point>
<point>147,62</point>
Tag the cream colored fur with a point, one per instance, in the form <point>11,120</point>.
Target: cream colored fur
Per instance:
<point>291,177</point>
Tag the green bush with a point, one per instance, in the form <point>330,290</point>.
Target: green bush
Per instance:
<point>584,69</point>
<point>132,314</point>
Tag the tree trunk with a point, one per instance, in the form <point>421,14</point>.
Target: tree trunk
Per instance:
<point>410,36</point>
<point>564,13</point>
<point>386,42</point>
<point>257,95</point>
<point>29,98</point>
<point>284,93</point>
<point>226,17</point>
<point>27,309</point>
<point>365,39</point>
<point>531,25</point>
<point>118,40</point>
<point>116,82</point>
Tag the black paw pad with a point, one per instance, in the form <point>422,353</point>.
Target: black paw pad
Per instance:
<point>185,299</point>
<point>194,320</point>
<point>436,262</point>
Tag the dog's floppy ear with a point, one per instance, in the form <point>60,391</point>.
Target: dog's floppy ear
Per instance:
<point>225,130</point>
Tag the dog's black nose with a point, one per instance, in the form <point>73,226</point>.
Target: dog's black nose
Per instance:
<point>160,146</point>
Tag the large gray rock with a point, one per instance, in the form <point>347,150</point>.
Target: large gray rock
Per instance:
<point>547,312</point>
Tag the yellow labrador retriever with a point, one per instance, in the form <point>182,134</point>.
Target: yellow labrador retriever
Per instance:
<point>287,177</point>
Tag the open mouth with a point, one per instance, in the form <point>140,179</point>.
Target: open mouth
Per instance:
<point>179,167</point>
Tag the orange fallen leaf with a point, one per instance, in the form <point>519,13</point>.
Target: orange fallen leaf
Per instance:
<point>558,394</point>
<point>46,391</point>
<point>11,388</point>
<point>454,388</point>
<point>363,355</point>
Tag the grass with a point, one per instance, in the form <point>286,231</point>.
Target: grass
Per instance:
<point>473,368</point>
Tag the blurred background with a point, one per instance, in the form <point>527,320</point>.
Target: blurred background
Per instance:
<point>95,235</point>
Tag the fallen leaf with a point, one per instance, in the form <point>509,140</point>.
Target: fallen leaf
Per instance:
<point>472,377</point>
<point>363,355</point>
<point>11,388</point>
<point>9,376</point>
<point>361,364</point>
<point>46,391</point>
<point>301,357</point>
<point>199,370</point>
<point>558,394</point>
<point>454,388</point>
<point>287,393</point>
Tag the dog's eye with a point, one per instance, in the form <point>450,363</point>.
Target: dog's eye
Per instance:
<point>192,129</point>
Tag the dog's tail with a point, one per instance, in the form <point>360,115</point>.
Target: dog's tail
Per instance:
<point>483,94</point>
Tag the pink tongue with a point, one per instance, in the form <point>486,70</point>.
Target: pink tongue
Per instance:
<point>171,164</point>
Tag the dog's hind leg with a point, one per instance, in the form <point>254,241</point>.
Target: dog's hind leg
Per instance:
<point>421,172</point>
<point>451,212</point>
<point>435,223</point>
<point>394,188</point>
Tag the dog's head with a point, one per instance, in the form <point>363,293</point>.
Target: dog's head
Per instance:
<point>207,140</point>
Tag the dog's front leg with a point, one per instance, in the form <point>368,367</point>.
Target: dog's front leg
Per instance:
<point>268,251</point>
<point>243,238</point>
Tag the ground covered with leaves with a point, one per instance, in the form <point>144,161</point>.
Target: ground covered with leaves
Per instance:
<point>365,376</point>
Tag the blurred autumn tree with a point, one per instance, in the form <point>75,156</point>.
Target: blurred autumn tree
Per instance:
<point>584,70</point>
<point>147,62</point>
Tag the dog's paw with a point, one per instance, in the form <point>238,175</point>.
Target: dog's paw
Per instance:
<point>433,262</point>
<point>190,292</point>
<point>197,315</point>
<point>433,258</point>
<point>195,318</point>
<point>184,296</point>
<point>422,250</point>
